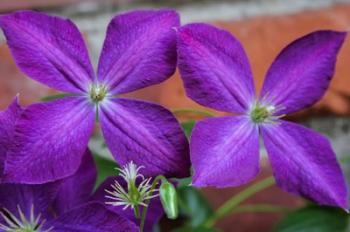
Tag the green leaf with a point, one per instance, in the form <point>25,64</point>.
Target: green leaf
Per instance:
<point>105,168</point>
<point>106,165</point>
<point>187,127</point>
<point>315,219</point>
<point>184,182</point>
<point>194,206</point>
<point>56,96</point>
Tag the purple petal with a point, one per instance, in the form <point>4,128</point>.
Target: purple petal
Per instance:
<point>49,49</point>
<point>301,73</point>
<point>92,217</point>
<point>304,163</point>
<point>214,68</point>
<point>147,134</point>
<point>26,196</point>
<point>77,189</point>
<point>154,213</point>
<point>224,151</point>
<point>50,140</point>
<point>8,119</point>
<point>139,50</point>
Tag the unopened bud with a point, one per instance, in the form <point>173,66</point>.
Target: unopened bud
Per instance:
<point>168,197</point>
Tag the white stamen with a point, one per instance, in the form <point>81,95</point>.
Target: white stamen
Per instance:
<point>135,195</point>
<point>22,224</point>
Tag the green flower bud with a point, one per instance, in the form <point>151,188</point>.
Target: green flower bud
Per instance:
<point>168,197</point>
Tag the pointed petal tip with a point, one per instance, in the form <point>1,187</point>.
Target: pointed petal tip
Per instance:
<point>341,203</point>
<point>345,205</point>
<point>197,183</point>
<point>16,101</point>
<point>331,33</point>
<point>207,59</point>
<point>176,29</point>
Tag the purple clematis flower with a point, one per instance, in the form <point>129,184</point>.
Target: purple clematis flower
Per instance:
<point>62,205</point>
<point>50,138</point>
<point>225,151</point>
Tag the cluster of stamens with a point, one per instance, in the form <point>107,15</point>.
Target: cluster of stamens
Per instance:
<point>260,113</point>
<point>21,224</point>
<point>98,92</point>
<point>264,113</point>
<point>135,195</point>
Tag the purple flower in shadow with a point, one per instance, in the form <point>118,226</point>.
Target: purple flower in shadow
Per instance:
<point>50,138</point>
<point>62,205</point>
<point>225,151</point>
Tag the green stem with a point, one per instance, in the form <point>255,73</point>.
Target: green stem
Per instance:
<point>56,96</point>
<point>230,205</point>
<point>199,112</point>
<point>260,208</point>
<point>137,212</point>
<point>145,209</point>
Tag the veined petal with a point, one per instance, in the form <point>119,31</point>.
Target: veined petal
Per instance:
<point>304,163</point>
<point>49,140</point>
<point>147,134</point>
<point>91,217</point>
<point>154,213</point>
<point>214,68</point>
<point>24,197</point>
<point>8,119</point>
<point>77,188</point>
<point>139,50</point>
<point>224,151</point>
<point>301,73</point>
<point>49,49</point>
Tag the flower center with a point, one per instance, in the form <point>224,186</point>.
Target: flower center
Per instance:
<point>21,223</point>
<point>261,113</point>
<point>98,92</point>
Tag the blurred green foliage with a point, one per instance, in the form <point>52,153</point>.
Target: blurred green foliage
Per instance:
<point>193,206</point>
<point>105,168</point>
<point>315,219</point>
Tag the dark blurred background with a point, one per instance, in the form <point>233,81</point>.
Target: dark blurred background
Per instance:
<point>263,26</point>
